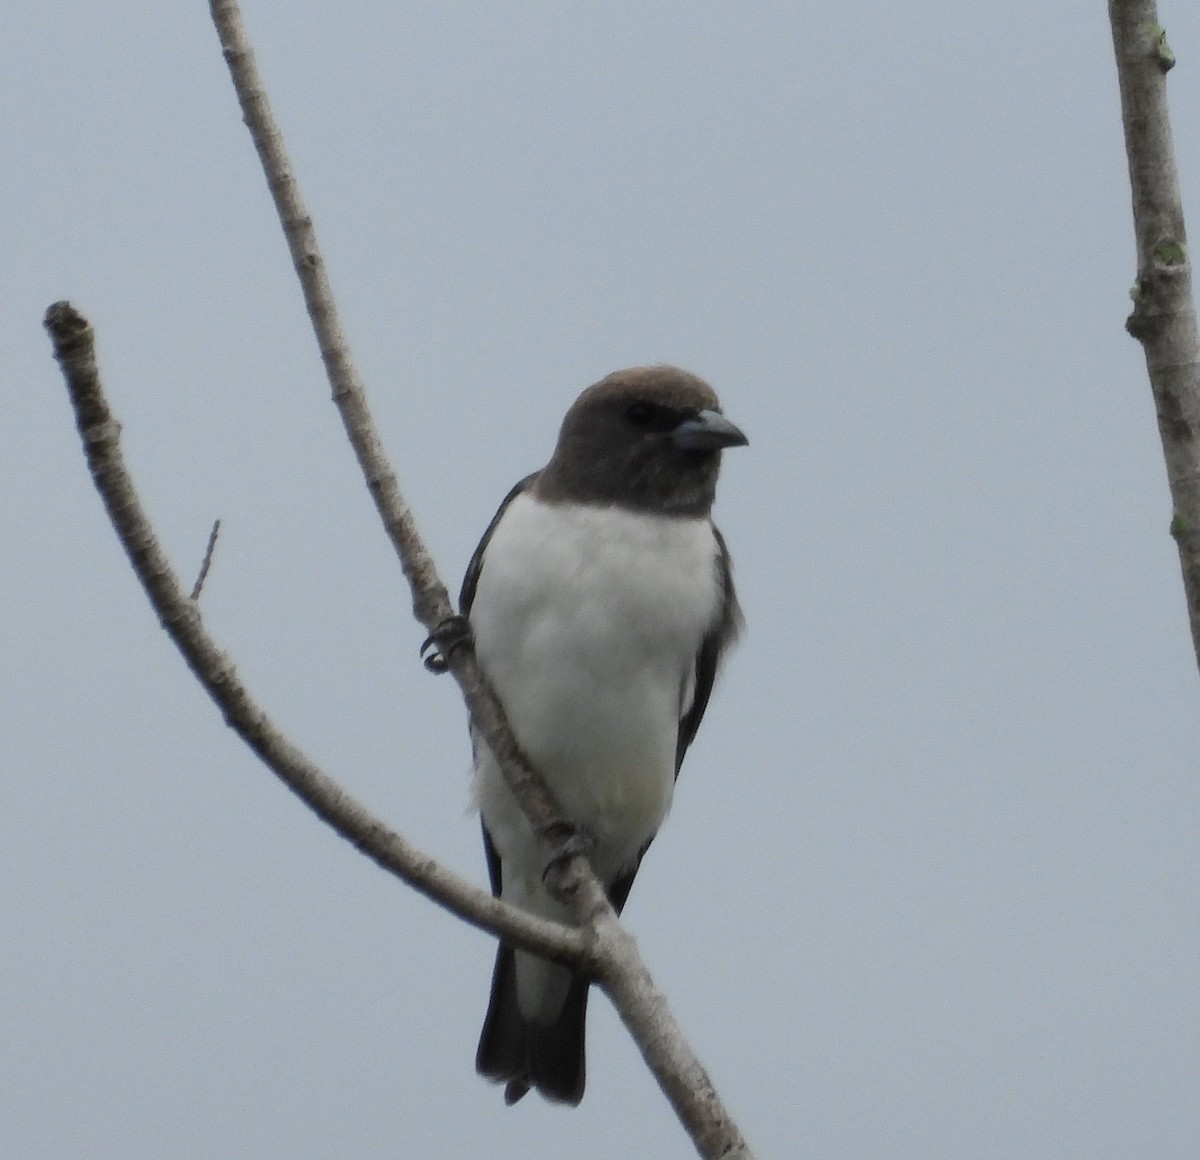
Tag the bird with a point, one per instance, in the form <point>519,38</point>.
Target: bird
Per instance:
<point>601,603</point>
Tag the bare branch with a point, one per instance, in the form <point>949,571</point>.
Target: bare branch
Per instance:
<point>569,875</point>
<point>431,602</point>
<point>600,945</point>
<point>74,347</point>
<point>1164,312</point>
<point>644,1011</point>
<point>206,563</point>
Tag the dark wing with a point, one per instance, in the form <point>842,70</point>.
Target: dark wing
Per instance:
<point>465,599</point>
<point>466,596</point>
<point>722,634</point>
<point>708,660</point>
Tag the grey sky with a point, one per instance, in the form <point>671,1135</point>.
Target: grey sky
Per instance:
<point>929,888</point>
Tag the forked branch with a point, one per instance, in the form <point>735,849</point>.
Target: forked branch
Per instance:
<point>599,944</point>
<point>74,347</point>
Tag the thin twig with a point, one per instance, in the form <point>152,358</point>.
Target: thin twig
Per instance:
<point>1164,312</point>
<point>198,587</point>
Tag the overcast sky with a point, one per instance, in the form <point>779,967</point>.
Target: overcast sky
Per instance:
<point>929,888</point>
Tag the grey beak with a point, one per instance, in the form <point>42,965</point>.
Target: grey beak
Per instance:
<point>708,431</point>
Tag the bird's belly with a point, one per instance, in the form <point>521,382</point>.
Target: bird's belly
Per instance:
<point>601,727</point>
<point>605,741</point>
<point>588,628</point>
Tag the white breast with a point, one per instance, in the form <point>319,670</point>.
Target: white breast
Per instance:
<point>587,622</point>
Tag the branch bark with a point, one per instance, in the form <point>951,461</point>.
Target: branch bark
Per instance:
<point>599,944</point>
<point>1164,311</point>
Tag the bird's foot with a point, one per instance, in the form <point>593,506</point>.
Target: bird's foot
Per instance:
<point>567,842</point>
<point>453,632</point>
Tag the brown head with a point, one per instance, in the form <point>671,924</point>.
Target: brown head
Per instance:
<point>647,439</point>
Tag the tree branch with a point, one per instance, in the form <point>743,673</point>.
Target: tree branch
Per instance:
<point>569,875</point>
<point>599,945</point>
<point>644,1010</point>
<point>1164,312</point>
<point>431,602</point>
<point>74,347</point>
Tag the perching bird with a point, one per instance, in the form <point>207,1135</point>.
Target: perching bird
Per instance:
<point>601,601</point>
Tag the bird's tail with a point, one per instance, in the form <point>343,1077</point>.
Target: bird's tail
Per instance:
<point>522,1054</point>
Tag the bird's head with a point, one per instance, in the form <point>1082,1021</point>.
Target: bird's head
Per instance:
<point>649,439</point>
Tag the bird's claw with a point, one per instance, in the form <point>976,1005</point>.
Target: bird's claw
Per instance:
<point>568,842</point>
<point>453,632</point>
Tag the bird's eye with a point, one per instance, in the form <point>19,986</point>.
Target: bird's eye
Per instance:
<point>653,418</point>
